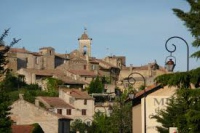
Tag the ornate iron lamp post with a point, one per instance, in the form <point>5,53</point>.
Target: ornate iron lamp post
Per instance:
<point>171,64</point>
<point>132,81</point>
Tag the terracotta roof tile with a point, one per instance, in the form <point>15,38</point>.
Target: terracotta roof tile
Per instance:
<point>78,94</point>
<point>22,128</point>
<point>55,102</point>
<point>18,50</point>
<point>83,72</point>
<point>104,64</point>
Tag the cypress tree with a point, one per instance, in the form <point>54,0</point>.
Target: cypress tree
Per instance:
<point>192,22</point>
<point>5,121</point>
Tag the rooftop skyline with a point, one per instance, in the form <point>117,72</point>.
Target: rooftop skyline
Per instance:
<point>135,29</point>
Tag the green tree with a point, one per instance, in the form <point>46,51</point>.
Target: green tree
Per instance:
<point>11,82</point>
<point>121,114</point>
<point>101,123</point>
<point>182,111</point>
<point>78,125</point>
<point>192,22</point>
<point>53,85</point>
<point>96,86</point>
<point>5,121</point>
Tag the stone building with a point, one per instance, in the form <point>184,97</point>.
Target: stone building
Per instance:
<point>25,113</point>
<point>72,103</point>
<point>146,104</point>
<point>78,66</point>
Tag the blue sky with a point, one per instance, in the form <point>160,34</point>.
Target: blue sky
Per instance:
<point>136,29</point>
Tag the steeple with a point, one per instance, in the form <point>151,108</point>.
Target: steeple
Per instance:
<point>85,44</point>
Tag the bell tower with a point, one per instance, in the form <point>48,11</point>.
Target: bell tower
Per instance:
<point>85,44</point>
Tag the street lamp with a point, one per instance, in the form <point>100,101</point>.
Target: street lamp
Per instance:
<point>132,81</point>
<point>168,65</point>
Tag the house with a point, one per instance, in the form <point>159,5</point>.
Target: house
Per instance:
<point>78,67</point>
<point>149,72</point>
<point>146,104</point>
<point>25,113</point>
<point>72,103</point>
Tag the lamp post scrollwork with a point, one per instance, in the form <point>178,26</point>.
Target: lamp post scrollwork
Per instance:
<point>169,66</point>
<point>132,81</point>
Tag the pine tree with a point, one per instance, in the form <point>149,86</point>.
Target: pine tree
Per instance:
<point>182,112</point>
<point>5,121</point>
<point>95,86</point>
<point>192,22</point>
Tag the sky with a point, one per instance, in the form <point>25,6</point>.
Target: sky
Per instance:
<point>137,29</point>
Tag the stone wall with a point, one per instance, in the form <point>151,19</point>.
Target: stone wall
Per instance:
<point>26,113</point>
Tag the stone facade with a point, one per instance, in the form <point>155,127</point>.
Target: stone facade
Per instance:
<point>78,65</point>
<point>83,104</point>
<point>156,99</point>
<point>23,112</point>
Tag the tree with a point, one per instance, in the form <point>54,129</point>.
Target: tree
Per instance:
<point>78,125</point>
<point>96,86</point>
<point>183,109</point>
<point>5,121</point>
<point>120,119</point>
<point>53,85</point>
<point>192,22</point>
<point>182,112</point>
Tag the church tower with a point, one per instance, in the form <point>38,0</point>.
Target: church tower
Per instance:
<point>85,44</point>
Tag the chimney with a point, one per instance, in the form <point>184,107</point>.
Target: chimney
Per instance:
<point>21,96</point>
<point>131,68</point>
<point>37,103</point>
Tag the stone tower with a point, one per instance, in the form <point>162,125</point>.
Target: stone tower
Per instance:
<point>85,44</point>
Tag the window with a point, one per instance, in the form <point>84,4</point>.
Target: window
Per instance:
<point>59,111</point>
<point>84,67</point>
<point>85,101</point>
<point>26,59</point>
<point>83,111</point>
<point>93,67</point>
<point>68,112</point>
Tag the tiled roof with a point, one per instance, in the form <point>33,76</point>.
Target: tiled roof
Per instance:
<point>83,73</point>
<point>69,80</point>
<point>56,73</point>
<point>63,56</point>
<point>84,36</point>
<point>144,92</point>
<point>59,116</point>
<point>44,72</point>
<point>105,64</point>
<point>22,128</point>
<point>46,48</point>
<point>18,50</point>
<point>55,102</point>
<point>78,94</point>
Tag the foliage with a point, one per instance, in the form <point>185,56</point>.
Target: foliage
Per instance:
<point>11,82</point>
<point>120,117</point>
<point>30,95</point>
<point>5,121</point>
<point>182,112</point>
<point>53,85</point>
<point>37,128</point>
<point>192,22</point>
<point>106,80</point>
<point>183,108</point>
<point>96,86</point>
<point>180,79</point>
<point>78,125</point>
<point>101,123</point>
